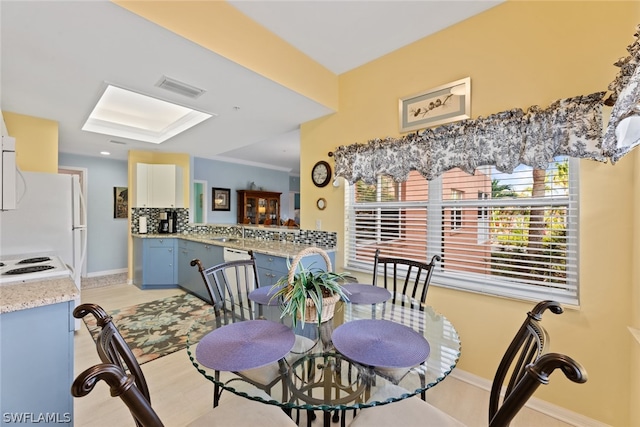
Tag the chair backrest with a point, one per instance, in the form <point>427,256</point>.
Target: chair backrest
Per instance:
<point>536,374</point>
<point>120,385</point>
<point>526,365</point>
<point>229,285</point>
<point>407,280</point>
<point>113,349</point>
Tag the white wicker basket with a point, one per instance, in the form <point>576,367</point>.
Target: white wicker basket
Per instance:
<point>328,303</point>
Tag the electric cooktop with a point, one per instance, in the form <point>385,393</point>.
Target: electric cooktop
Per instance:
<point>18,268</point>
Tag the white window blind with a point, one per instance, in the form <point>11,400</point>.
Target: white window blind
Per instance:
<point>512,235</point>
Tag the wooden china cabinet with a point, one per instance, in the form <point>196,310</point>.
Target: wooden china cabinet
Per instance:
<point>256,207</point>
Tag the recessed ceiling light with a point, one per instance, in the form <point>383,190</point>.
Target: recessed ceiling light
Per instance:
<point>127,114</point>
<point>105,153</point>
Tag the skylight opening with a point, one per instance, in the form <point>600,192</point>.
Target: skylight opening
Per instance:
<point>127,114</point>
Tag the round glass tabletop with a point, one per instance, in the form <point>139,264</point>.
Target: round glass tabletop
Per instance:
<point>323,378</point>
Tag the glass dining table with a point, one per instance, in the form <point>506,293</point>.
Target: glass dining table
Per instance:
<point>350,363</point>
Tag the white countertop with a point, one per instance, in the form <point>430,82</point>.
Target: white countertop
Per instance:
<point>36,293</point>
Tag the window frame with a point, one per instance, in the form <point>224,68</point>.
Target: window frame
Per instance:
<point>474,282</point>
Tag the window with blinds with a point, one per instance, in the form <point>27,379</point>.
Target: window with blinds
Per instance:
<point>512,235</point>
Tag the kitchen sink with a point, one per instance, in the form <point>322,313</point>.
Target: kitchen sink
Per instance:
<point>224,239</point>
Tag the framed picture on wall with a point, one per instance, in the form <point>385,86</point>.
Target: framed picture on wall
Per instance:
<point>221,199</point>
<point>120,202</point>
<point>443,104</point>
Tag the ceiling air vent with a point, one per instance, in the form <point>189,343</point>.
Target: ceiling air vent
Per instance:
<point>176,86</point>
<point>113,141</point>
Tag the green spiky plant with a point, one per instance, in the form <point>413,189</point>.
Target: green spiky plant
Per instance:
<point>314,284</point>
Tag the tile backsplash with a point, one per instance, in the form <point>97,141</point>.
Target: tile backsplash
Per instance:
<point>153,219</point>
<point>307,237</point>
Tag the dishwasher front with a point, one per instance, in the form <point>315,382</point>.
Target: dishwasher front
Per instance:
<point>235,254</point>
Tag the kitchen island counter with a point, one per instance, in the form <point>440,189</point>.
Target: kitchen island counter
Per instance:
<point>164,260</point>
<point>36,293</point>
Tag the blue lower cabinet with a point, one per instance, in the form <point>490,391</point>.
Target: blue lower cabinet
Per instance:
<point>189,277</point>
<point>36,366</point>
<point>154,263</point>
<point>271,268</point>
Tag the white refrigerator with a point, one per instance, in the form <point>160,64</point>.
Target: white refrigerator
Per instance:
<point>50,218</point>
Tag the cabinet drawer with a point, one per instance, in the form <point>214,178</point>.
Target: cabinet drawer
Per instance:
<point>160,243</point>
<point>209,255</point>
<point>271,262</point>
<point>268,277</point>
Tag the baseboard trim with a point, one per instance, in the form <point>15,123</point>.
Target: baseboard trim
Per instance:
<point>107,272</point>
<point>104,278</point>
<point>536,404</point>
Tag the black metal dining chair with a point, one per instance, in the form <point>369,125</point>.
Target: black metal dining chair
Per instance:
<point>122,372</point>
<point>229,285</point>
<point>407,280</point>
<point>524,367</point>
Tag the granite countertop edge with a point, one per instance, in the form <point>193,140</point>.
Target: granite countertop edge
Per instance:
<point>267,247</point>
<point>36,293</point>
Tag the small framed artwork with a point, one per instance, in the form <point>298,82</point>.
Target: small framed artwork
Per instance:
<point>221,198</point>
<point>443,104</point>
<point>120,202</point>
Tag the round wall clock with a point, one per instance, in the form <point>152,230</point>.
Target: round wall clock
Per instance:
<point>321,203</point>
<point>321,173</point>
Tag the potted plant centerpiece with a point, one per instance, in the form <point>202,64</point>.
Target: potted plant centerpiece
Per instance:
<point>309,294</point>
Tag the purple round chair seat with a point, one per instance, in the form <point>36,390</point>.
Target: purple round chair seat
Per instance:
<point>380,343</point>
<point>245,345</point>
<point>263,295</point>
<point>366,294</point>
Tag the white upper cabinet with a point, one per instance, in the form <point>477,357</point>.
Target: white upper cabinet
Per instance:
<point>158,186</point>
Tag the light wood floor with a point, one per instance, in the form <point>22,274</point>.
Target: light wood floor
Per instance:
<point>180,394</point>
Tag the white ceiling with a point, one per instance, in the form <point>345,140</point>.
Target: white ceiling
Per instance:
<point>57,56</point>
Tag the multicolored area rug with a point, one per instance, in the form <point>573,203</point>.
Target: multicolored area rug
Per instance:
<point>157,328</point>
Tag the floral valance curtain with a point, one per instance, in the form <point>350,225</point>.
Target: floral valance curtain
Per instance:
<point>623,131</point>
<point>571,127</point>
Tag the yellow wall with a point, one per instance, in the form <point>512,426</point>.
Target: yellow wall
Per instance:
<point>152,157</point>
<point>36,142</point>
<point>221,28</point>
<point>634,372</point>
<point>517,55</point>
